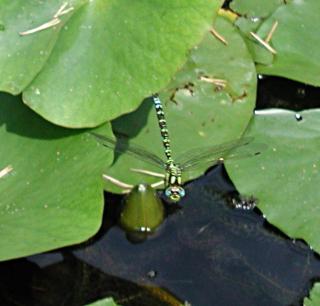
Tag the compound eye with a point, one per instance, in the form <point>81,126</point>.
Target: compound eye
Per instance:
<point>175,193</point>
<point>182,193</point>
<point>168,193</point>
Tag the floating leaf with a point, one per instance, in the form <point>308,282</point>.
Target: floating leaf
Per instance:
<point>250,8</point>
<point>210,101</point>
<point>314,299</point>
<point>285,178</point>
<point>101,59</point>
<point>22,58</point>
<point>296,42</point>
<point>53,196</point>
<point>252,16</point>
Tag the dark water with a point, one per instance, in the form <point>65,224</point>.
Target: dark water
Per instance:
<point>276,92</point>
<point>206,253</point>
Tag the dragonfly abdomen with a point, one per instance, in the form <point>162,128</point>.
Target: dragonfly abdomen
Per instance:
<point>173,190</point>
<point>163,127</point>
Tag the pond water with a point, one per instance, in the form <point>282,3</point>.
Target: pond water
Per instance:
<point>206,253</point>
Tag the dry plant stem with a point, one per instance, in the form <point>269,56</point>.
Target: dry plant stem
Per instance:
<point>5,171</point>
<point>270,34</point>
<point>117,182</point>
<point>262,42</point>
<point>53,22</point>
<point>218,82</point>
<point>265,42</point>
<point>60,10</point>
<point>44,26</point>
<point>151,173</point>
<point>218,36</point>
<point>66,11</point>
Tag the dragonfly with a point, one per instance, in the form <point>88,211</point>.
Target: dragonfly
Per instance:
<point>173,168</point>
<point>189,160</point>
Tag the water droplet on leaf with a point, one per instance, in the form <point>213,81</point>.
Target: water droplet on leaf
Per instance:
<point>298,117</point>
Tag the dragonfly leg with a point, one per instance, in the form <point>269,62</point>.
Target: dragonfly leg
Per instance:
<point>127,187</point>
<point>151,173</point>
<point>126,191</point>
<point>157,184</point>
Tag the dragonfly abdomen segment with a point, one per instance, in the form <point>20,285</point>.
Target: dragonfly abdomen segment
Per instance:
<point>163,128</point>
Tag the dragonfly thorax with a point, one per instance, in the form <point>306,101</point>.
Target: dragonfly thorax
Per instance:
<point>174,191</point>
<point>173,174</point>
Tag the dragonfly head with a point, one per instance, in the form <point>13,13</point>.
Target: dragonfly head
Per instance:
<point>175,193</point>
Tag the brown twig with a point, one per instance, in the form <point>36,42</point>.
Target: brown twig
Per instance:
<point>5,171</point>
<point>218,36</point>
<point>266,41</point>
<point>51,23</point>
<point>218,82</point>
<point>270,34</point>
<point>262,42</point>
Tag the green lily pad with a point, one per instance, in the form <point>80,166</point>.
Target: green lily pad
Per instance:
<point>102,59</point>
<point>198,112</point>
<point>314,299</point>
<point>53,195</point>
<point>22,58</point>
<point>247,25</point>
<point>259,53</point>
<point>296,42</point>
<point>251,8</point>
<point>252,16</point>
<point>285,177</point>
<point>104,302</point>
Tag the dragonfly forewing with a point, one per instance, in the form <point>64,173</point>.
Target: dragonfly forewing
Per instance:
<point>209,156</point>
<point>122,145</point>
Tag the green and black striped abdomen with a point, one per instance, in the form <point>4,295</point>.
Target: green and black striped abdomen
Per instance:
<point>173,189</point>
<point>163,127</point>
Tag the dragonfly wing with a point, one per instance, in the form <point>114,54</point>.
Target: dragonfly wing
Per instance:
<point>212,155</point>
<point>122,145</point>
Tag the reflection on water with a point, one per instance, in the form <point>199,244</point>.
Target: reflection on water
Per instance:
<point>206,253</point>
